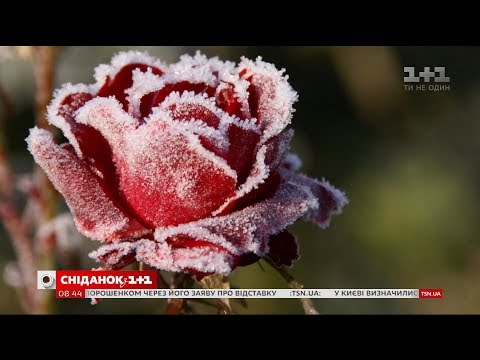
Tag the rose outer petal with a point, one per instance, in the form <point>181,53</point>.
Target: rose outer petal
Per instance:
<point>92,146</point>
<point>331,200</point>
<point>194,259</point>
<point>249,229</point>
<point>95,214</point>
<point>263,180</point>
<point>271,97</point>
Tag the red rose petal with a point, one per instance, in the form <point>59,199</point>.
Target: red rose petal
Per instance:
<point>262,182</point>
<point>227,101</point>
<point>95,214</point>
<point>61,112</point>
<point>185,111</point>
<point>264,191</point>
<point>177,242</point>
<point>116,260</point>
<point>262,92</point>
<point>165,176</point>
<point>241,153</point>
<point>88,142</point>
<point>238,139</point>
<point>198,259</point>
<point>117,85</point>
<point>152,99</point>
<point>248,230</point>
<point>170,180</point>
<point>271,97</point>
<point>116,255</point>
<point>71,103</point>
<point>200,116</point>
<point>94,148</point>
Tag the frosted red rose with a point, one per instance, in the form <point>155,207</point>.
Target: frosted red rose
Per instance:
<point>182,167</point>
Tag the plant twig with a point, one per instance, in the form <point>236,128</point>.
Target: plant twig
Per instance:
<point>44,63</point>
<point>24,251</point>
<point>6,188</point>
<point>174,305</point>
<point>44,69</point>
<point>7,103</point>
<point>12,221</point>
<point>19,230</point>
<point>162,282</point>
<point>307,303</point>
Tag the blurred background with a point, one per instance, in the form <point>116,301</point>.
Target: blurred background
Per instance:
<point>407,160</point>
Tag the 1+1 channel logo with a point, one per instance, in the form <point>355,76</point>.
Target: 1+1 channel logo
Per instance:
<point>427,80</point>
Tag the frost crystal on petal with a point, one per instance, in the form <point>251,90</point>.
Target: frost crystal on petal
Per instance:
<point>200,69</point>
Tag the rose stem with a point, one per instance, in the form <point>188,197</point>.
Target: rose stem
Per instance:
<point>307,303</point>
<point>8,107</point>
<point>174,305</point>
<point>44,69</point>
<point>6,188</point>
<point>162,282</point>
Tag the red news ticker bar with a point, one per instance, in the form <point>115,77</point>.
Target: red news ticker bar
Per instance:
<point>105,279</point>
<point>430,293</point>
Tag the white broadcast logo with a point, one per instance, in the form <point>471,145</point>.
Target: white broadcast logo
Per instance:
<point>442,82</point>
<point>46,280</point>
